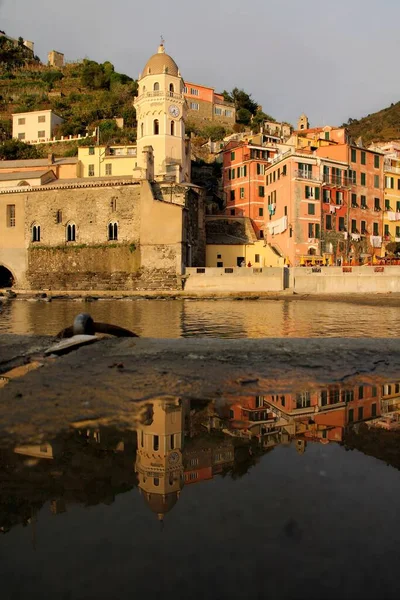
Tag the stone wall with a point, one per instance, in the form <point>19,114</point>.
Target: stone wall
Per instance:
<point>84,268</point>
<point>156,236</point>
<point>346,280</point>
<point>91,209</point>
<point>234,280</point>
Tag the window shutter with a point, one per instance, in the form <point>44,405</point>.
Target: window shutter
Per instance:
<point>317,193</point>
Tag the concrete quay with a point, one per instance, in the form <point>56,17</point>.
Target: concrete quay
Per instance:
<point>107,381</point>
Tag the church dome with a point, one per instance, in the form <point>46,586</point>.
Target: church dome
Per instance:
<point>161,63</point>
<point>161,504</point>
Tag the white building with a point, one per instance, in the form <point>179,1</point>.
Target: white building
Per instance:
<point>35,126</point>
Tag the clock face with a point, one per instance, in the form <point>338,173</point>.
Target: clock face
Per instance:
<point>174,111</point>
<point>173,458</point>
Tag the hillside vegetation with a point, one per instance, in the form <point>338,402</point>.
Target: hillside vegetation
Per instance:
<point>382,126</point>
<point>87,95</point>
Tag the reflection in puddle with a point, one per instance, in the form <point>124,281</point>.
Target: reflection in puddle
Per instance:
<point>176,443</point>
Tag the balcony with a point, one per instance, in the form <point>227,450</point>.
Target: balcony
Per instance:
<point>334,181</point>
<point>161,94</point>
<point>308,176</point>
<point>391,169</point>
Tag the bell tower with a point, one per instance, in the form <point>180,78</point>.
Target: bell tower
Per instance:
<point>159,455</point>
<point>303,122</point>
<point>161,114</point>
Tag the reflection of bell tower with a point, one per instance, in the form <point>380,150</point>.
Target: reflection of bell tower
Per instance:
<point>303,122</point>
<point>159,456</point>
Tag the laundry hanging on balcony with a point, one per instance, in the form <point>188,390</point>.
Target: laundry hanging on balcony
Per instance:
<point>279,226</point>
<point>376,241</point>
<point>272,208</point>
<point>393,216</point>
<point>356,237</point>
<point>332,209</point>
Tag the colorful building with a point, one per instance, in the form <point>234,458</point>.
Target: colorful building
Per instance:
<point>244,168</point>
<point>391,217</point>
<point>205,106</point>
<point>325,200</point>
<point>105,161</point>
<point>233,242</point>
<point>63,168</point>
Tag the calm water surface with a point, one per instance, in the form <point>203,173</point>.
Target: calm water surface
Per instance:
<point>187,504</point>
<point>221,318</point>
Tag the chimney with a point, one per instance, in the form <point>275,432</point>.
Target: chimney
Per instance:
<point>50,158</point>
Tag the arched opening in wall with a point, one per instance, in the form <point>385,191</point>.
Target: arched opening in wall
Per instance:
<point>71,232</point>
<point>35,233</point>
<point>171,88</point>
<point>156,86</point>
<point>144,89</point>
<point>142,130</point>
<point>172,127</point>
<point>113,231</point>
<point>156,128</point>
<point>312,251</point>
<point>24,184</point>
<point>6,277</point>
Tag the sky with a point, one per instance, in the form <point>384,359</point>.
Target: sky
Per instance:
<point>331,60</point>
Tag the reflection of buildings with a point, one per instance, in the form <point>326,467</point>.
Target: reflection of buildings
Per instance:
<point>180,443</point>
<point>159,455</point>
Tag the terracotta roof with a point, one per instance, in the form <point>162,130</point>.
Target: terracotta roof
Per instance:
<point>36,162</point>
<point>312,130</point>
<point>22,175</point>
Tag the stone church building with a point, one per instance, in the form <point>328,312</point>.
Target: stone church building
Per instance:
<point>133,232</point>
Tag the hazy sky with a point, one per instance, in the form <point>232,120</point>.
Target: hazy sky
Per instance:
<point>332,60</point>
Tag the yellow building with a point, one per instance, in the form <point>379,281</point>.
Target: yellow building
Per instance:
<point>391,216</point>
<point>105,161</point>
<point>232,242</point>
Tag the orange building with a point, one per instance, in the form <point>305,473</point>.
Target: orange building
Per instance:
<point>244,168</point>
<point>205,106</point>
<point>325,198</point>
<point>63,168</point>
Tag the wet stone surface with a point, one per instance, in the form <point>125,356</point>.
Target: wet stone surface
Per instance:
<point>201,468</point>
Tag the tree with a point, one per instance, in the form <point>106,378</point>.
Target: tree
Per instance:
<point>15,150</point>
<point>5,129</point>
<point>213,132</point>
<point>95,76</point>
<point>51,77</point>
<point>243,115</point>
<point>227,97</point>
<point>244,100</point>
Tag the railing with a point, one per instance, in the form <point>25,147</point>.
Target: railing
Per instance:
<point>337,181</point>
<point>161,94</point>
<point>309,175</point>
<point>392,169</point>
<point>281,156</point>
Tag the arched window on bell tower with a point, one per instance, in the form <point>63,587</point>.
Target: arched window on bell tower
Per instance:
<point>156,127</point>
<point>171,88</point>
<point>142,130</point>
<point>172,127</point>
<point>156,86</point>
